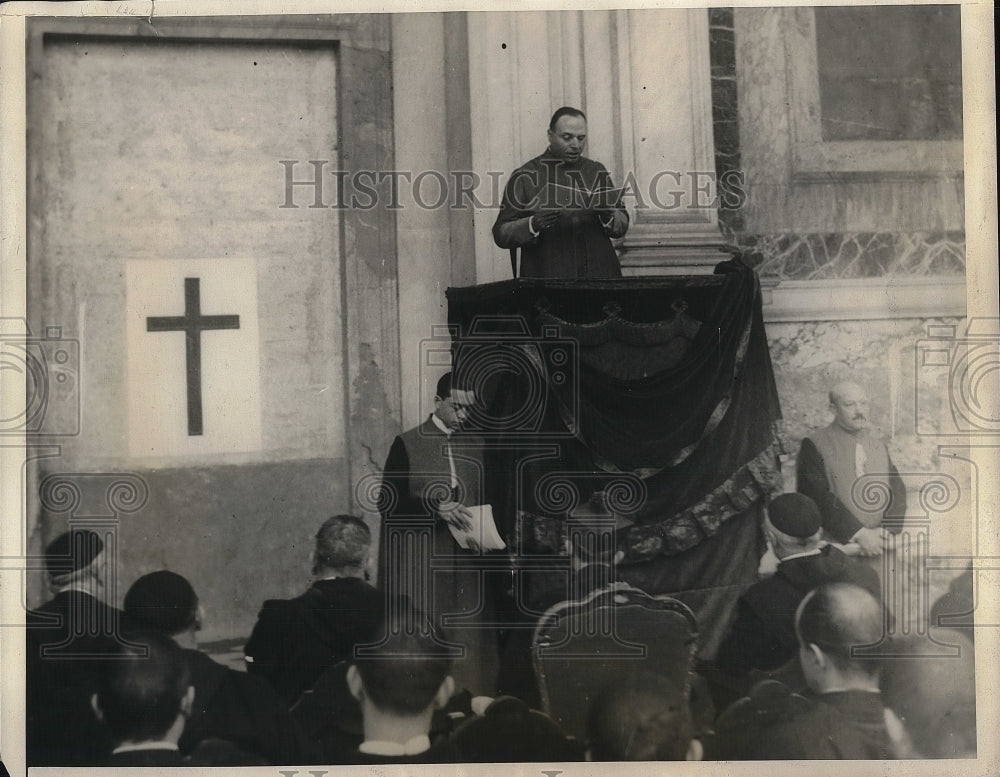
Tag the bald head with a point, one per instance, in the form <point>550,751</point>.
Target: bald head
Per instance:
<point>849,403</point>
<point>836,619</point>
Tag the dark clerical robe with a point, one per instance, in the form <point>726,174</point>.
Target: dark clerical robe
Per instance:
<point>830,462</point>
<point>579,245</point>
<point>417,479</point>
<point>772,724</point>
<point>763,635</point>
<point>68,640</point>
<point>242,710</point>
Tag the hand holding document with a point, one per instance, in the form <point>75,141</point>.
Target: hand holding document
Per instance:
<point>557,196</point>
<point>482,533</point>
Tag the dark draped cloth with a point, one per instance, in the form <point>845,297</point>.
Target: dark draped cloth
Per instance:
<point>655,393</point>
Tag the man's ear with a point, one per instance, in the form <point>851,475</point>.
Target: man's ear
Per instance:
<point>817,655</point>
<point>354,683</point>
<point>444,692</point>
<point>95,705</point>
<point>696,751</point>
<point>187,703</point>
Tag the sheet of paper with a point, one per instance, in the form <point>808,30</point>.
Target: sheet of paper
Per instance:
<point>559,196</point>
<point>483,535</point>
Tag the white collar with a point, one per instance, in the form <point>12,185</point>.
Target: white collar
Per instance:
<point>814,552</point>
<point>162,745</point>
<point>415,746</point>
<point>440,425</point>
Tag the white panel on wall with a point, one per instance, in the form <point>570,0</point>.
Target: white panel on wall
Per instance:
<point>162,420</point>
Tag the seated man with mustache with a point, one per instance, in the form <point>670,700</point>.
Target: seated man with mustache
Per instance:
<point>830,462</point>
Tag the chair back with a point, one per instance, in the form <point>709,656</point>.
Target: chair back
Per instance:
<point>582,647</point>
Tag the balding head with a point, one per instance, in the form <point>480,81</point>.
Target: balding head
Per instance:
<point>831,623</point>
<point>849,403</point>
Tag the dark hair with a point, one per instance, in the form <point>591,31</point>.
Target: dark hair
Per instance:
<point>443,390</point>
<point>566,110</point>
<point>839,617</point>
<point>140,695</point>
<point>404,672</point>
<point>161,601</point>
<point>643,717</point>
<point>342,541</point>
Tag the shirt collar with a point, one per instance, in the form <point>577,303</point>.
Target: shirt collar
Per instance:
<point>415,746</point>
<point>131,748</point>
<point>813,552</point>
<point>440,425</point>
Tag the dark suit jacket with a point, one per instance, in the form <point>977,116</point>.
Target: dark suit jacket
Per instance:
<point>67,639</point>
<point>763,634</point>
<point>296,640</point>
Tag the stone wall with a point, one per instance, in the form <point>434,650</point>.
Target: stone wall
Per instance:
<point>149,154</point>
<point>819,235</point>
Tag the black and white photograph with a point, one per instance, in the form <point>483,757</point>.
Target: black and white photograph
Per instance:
<point>394,388</point>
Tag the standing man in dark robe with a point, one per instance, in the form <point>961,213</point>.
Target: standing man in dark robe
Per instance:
<point>832,459</point>
<point>434,473</point>
<point>557,241</point>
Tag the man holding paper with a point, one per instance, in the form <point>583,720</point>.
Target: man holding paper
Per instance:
<point>435,472</point>
<point>561,209</point>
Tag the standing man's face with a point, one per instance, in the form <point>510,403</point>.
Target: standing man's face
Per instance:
<point>569,138</point>
<point>850,408</point>
<point>454,409</point>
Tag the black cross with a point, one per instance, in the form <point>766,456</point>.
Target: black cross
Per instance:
<point>192,323</point>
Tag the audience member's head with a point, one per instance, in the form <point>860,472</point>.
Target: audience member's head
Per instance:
<point>343,543</point>
<point>75,559</point>
<point>644,718</point>
<point>934,697</point>
<point>145,695</point>
<point>832,622</point>
<point>511,731</point>
<point>402,679</point>
<point>163,602</point>
<point>849,403</point>
<point>793,524</point>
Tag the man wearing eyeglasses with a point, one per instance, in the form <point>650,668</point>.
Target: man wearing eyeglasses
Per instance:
<point>435,472</point>
<point>561,210</point>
